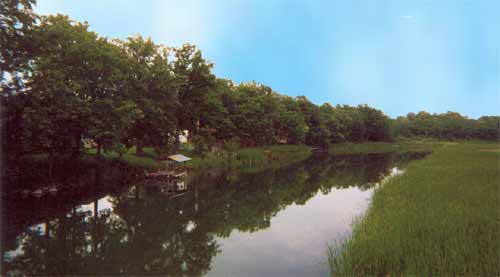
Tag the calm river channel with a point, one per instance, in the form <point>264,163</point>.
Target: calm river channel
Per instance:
<point>110,220</point>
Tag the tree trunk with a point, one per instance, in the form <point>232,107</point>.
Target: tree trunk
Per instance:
<point>138,149</point>
<point>98,150</point>
<point>47,231</point>
<point>177,141</point>
<point>47,240</point>
<point>78,146</point>
<point>96,208</point>
<point>95,233</point>
<point>51,163</point>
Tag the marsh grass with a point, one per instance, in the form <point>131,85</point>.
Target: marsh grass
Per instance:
<point>440,218</point>
<point>384,147</point>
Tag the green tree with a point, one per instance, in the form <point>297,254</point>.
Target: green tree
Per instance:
<point>196,82</point>
<point>153,87</point>
<point>77,88</point>
<point>488,127</point>
<point>216,115</point>
<point>16,23</point>
<point>16,53</point>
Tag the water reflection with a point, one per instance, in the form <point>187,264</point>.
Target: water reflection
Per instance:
<point>270,223</point>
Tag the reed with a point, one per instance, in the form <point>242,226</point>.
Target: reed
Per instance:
<point>440,218</point>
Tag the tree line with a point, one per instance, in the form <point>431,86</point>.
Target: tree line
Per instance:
<point>447,126</point>
<point>63,84</point>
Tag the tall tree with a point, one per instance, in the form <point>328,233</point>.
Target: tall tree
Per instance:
<point>77,88</point>
<point>16,22</point>
<point>16,52</point>
<point>197,81</point>
<point>154,88</point>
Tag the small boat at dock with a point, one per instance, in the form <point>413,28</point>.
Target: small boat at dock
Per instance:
<point>169,174</point>
<point>37,193</point>
<point>175,168</point>
<point>25,193</point>
<point>53,190</point>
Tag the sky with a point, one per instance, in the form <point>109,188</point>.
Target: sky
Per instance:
<point>397,56</point>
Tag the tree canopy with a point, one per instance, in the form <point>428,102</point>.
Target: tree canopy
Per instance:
<point>63,84</point>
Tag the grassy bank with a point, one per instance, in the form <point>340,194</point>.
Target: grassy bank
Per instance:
<point>441,217</point>
<point>246,159</point>
<point>148,161</point>
<point>385,147</point>
<point>252,159</point>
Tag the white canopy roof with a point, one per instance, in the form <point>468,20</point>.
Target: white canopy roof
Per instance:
<point>179,158</point>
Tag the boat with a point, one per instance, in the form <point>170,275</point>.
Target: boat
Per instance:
<point>177,195</point>
<point>37,193</point>
<point>53,190</point>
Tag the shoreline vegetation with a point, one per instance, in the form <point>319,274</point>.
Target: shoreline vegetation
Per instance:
<point>385,147</point>
<point>441,217</point>
<point>249,159</point>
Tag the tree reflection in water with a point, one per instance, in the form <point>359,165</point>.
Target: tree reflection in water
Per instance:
<point>147,232</point>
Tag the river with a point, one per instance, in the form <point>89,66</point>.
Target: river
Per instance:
<point>277,222</point>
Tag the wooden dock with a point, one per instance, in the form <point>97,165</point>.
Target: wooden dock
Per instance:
<point>170,174</point>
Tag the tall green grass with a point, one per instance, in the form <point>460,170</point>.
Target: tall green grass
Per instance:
<point>385,147</point>
<point>440,218</point>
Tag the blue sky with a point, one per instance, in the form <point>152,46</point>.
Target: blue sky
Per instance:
<point>398,56</point>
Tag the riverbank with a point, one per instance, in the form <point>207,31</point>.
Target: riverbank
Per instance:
<point>244,159</point>
<point>385,147</point>
<point>251,159</point>
<point>441,217</point>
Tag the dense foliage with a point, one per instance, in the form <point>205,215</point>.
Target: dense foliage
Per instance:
<point>447,126</point>
<point>63,85</point>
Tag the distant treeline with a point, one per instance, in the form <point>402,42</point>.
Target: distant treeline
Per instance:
<point>63,84</point>
<point>447,126</point>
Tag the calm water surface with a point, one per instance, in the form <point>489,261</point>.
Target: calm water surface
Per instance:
<point>111,221</point>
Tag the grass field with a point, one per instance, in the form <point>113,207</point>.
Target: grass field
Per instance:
<point>440,218</point>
